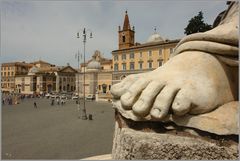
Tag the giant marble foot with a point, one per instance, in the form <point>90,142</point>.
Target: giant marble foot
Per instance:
<point>192,82</point>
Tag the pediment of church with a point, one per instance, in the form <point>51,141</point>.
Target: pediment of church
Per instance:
<point>68,69</point>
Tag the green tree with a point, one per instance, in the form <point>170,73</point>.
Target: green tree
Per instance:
<point>196,24</point>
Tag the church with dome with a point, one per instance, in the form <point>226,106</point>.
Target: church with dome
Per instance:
<point>98,77</point>
<point>132,57</point>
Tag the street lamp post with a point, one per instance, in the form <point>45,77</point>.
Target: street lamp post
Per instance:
<point>84,113</point>
<point>78,101</point>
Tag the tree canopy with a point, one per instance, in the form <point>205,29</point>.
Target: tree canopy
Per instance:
<point>196,24</point>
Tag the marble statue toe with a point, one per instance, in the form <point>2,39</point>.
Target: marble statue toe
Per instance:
<point>192,82</point>
<point>120,88</point>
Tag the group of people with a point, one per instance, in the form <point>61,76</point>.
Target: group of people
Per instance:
<point>10,99</point>
<point>16,98</point>
<point>58,101</point>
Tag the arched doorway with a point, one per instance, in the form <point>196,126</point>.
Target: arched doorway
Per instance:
<point>68,87</point>
<point>104,88</point>
<point>19,86</point>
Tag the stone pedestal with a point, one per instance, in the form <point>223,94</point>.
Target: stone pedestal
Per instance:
<point>152,140</point>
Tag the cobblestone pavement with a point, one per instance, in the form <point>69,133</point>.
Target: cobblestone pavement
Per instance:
<point>55,132</point>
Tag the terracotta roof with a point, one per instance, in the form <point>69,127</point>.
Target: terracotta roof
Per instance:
<point>40,62</point>
<point>17,63</point>
<point>49,69</point>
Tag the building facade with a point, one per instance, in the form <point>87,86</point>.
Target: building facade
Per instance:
<point>8,73</point>
<point>98,77</point>
<point>37,78</point>
<point>132,58</point>
<point>65,79</point>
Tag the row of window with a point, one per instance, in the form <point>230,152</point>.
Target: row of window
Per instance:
<point>7,73</point>
<point>68,79</point>
<point>5,68</point>
<point>49,79</point>
<point>5,85</point>
<point>131,55</point>
<point>140,65</point>
<point>68,88</point>
<point>7,79</point>
<point>14,67</point>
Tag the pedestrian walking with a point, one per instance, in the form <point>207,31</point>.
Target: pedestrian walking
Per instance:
<point>10,101</point>
<point>58,101</point>
<point>35,104</point>
<point>52,103</point>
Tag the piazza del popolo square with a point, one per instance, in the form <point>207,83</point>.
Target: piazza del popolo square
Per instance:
<point>126,80</point>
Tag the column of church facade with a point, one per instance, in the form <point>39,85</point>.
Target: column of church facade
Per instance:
<point>57,83</point>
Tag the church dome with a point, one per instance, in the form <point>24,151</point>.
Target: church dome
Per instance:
<point>33,70</point>
<point>94,65</point>
<point>155,38</point>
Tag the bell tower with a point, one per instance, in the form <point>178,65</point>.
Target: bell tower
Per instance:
<point>126,35</point>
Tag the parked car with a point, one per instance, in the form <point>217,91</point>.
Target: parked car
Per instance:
<point>90,97</point>
<point>74,97</point>
<point>54,96</point>
<point>63,96</point>
<point>68,96</point>
<point>47,95</point>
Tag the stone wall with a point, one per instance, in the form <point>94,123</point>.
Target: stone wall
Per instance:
<point>143,143</point>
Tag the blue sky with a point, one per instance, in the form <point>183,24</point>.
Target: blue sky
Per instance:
<point>46,30</point>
